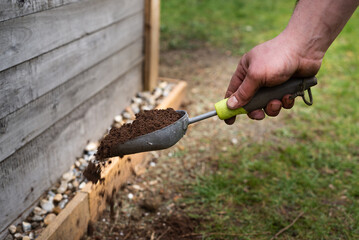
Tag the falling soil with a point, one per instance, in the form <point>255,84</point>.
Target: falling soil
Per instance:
<point>146,122</point>
<point>93,172</point>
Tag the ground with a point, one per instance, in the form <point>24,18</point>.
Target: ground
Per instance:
<point>159,193</point>
<point>291,177</point>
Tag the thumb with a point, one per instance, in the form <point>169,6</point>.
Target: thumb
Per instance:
<point>243,94</point>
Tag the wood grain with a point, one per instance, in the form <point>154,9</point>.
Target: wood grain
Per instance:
<point>71,223</point>
<point>30,121</point>
<point>12,9</point>
<point>34,168</point>
<point>27,81</point>
<point>152,43</point>
<point>27,37</point>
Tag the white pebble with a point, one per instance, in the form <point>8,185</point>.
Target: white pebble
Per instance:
<point>234,141</point>
<point>163,84</point>
<point>137,100</point>
<point>68,176</point>
<point>12,229</point>
<point>157,93</point>
<point>152,164</point>
<point>26,226</point>
<point>137,187</point>
<point>130,195</point>
<point>91,146</point>
<point>146,108</point>
<point>135,108</point>
<point>39,211</point>
<point>46,205</point>
<point>155,154</point>
<point>126,115</point>
<point>37,218</point>
<point>118,119</point>
<point>58,197</point>
<point>18,236</point>
<point>77,164</point>
<point>63,187</point>
<point>82,185</point>
<point>62,204</point>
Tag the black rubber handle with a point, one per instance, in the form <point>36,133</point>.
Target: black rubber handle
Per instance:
<point>294,86</point>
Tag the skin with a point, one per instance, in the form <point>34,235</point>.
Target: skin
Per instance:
<point>298,51</point>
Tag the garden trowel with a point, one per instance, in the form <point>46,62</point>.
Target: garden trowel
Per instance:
<point>170,135</point>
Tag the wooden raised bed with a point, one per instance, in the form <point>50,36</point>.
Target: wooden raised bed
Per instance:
<point>89,203</point>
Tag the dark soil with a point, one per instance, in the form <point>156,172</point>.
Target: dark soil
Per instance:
<point>93,172</point>
<point>172,227</point>
<point>146,122</point>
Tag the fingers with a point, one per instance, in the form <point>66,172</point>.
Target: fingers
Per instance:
<point>288,102</point>
<point>256,114</point>
<point>243,94</point>
<point>273,108</point>
<point>236,80</point>
<point>230,121</point>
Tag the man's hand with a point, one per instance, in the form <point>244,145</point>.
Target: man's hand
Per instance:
<point>267,65</point>
<point>297,52</point>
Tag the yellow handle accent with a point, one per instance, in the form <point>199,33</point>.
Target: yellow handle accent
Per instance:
<point>224,112</point>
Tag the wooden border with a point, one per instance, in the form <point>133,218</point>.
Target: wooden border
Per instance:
<point>89,203</point>
<point>152,43</point>
<point>72,221</point>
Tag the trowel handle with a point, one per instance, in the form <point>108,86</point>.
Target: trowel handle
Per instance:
<point>294,86</point>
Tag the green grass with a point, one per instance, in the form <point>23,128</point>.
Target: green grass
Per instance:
<point>314,168</point>
<point>234,25</point>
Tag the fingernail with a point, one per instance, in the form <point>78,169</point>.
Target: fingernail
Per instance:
<point>275,107</point>
<point>257,116</point>
<point>232,102</point>
<point>289,101</point>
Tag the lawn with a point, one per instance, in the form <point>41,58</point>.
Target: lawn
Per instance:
<point>309,176</point>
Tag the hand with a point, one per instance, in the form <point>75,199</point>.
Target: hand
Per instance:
<point>266,65</point>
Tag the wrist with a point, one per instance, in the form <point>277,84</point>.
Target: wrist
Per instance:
<point>305,46</point>
<point>303,54</point>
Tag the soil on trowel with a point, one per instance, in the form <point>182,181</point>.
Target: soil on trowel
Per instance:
<point>146,122</point>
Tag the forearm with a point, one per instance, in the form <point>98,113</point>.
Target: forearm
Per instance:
<point>315,24</point>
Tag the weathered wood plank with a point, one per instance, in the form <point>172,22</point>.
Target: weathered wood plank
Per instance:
<point>30,36</point>
<point>41,162</point>
<point>152,43</point>
<point>44,111</point>
<point>25,82</point>
<point>15,8</point>
<point>72,222</point>
<point>115,175</point>
<point>177,94</point>
<point>30,121</point>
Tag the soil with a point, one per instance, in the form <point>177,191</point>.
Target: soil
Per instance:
<point>146,122</point>
<point>93,172</point>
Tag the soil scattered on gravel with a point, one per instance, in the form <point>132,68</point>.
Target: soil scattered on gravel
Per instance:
<point>146,122</point>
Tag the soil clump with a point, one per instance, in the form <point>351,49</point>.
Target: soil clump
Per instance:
<point>93,172</point>
<point>146,122</point>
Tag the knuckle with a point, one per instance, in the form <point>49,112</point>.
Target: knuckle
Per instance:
<point>242,94</point>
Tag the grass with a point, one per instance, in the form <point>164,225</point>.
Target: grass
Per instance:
<point>234,25</point>
<point>313,168</point>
